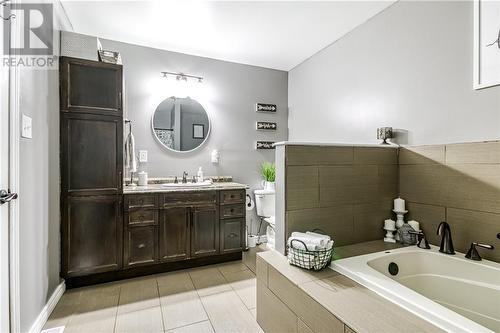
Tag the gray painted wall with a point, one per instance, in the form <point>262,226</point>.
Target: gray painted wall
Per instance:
<point>39,216</point>
<point>409,67</point>
<point>228,93</point>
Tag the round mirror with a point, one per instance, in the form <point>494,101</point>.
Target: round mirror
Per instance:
<point>181,124</point>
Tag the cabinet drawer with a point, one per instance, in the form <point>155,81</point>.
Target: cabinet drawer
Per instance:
<point>140,201</point>
<point>232,233</point>
<point>140,245</point>
<point>188,198</point>
<point>232,196</point>
<point>232,211</point>
<point>142,217</point>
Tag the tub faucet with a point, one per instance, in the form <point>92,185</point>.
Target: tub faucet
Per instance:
<point>422,241</point>
<point>184,177</point>
<point>473,254</point>
<point>446,243</point>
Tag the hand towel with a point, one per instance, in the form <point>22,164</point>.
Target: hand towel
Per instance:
<point>315,234</point>
<point>130,161</point>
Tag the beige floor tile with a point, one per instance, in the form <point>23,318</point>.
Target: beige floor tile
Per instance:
<point>245,285</point>
<point>92,320</point>
<point>138,294</point>
<point>202,327</point>
<point>231,267</point>
<point>180,304</point>
<point>59,317</point>
<point>227,313</point>
<point>209,281</point>
<point>140,321</point>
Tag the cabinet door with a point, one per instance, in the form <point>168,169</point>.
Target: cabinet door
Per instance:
<point>140,245</point>
<point>204,231</point>
<point>91,154</point>
<point>90,86</point>
<point>174,234</point>
<point>91,235</point>
<point>232,235</point>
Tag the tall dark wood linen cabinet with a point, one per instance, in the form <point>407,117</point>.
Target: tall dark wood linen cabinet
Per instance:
<point>91,156</point>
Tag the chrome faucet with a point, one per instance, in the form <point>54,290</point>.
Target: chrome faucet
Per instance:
<point>446,243</point>
<point>184,177</point>
<point>473,254</point>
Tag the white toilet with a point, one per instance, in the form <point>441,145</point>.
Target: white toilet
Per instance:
<point>265,204</point>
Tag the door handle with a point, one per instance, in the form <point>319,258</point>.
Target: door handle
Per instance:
<point>6,197</point>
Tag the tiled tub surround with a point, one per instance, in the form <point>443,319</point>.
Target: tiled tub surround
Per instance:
<point>347,190</point>
<point>344,190</point>
<point>290,299</point>
<point>458,183</point>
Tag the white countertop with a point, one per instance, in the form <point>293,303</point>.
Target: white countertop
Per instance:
<point>153,188</point>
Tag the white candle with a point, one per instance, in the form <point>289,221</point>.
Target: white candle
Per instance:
<point>414,224</point>
<point>399,205</point>
<point>389,224</point>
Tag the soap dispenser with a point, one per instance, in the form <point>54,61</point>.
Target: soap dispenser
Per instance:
<point>200,175</point>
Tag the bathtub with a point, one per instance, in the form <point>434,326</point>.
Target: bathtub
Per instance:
<point>450,291</point>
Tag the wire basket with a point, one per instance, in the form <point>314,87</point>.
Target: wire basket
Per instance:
<point>308,259</point>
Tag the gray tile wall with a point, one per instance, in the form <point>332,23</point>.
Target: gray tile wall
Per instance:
<point>458,183</point>
<point>348,191</point>
<point>345,191</point>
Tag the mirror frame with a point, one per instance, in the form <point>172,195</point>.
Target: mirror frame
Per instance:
<point>181,151</point>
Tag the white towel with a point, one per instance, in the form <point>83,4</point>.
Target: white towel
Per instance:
<point>299,244</point>
<point>311,238</point>
<point>130,161</point>
<point>315,234</point>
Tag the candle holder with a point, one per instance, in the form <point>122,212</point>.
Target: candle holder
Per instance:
<point>400,220</point>
<point>389,235</point>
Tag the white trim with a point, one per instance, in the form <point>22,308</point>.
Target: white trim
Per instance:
<point>14,141</point>
<point>48,308</point>
<point>476,49</point>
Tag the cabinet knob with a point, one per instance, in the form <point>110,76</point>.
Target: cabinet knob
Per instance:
<point>141,246</point>
<point>232,235</point>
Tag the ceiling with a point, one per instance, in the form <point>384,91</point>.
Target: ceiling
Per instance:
<point>274,34</point>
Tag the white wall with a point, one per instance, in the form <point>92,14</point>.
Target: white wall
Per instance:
<point>409,67</point>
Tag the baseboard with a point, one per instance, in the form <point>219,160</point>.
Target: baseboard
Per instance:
<point>48,308</point>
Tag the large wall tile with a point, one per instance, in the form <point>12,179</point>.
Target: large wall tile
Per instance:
<point>423,183</point>
<point>472,226</point>
<point>371,155</point>
<point>369,220</point>
<point>429,217</point>
<point>302,187</point>
<point>336,221</point>
<point>318,155</point>
<point>272,314</point>
<point>481,152</point>
<point>348,184</point>
<point>422,155</point>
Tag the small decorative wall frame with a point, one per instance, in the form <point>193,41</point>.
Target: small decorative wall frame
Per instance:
<point>263,107</point>
<point>110,57</point>
<point>264,145</point>
<point>266,125</point>
<point>486,43</point>
<point>198,131</point>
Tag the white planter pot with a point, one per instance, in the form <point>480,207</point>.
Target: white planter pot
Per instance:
<point>268,186</point>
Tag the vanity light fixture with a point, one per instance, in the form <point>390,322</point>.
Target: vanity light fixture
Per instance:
<point>183,77</point>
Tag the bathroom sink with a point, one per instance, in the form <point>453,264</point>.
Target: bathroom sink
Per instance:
<point>188,184</point>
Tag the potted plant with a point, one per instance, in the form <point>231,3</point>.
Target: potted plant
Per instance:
<point>268,171</point>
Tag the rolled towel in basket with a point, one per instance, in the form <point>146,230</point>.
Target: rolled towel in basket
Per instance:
<point>298,243</point>
<point>316,239</point>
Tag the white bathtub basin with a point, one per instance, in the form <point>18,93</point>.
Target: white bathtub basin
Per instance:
<point>453,293</point>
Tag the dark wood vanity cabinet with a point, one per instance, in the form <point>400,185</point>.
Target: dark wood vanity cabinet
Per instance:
<point>91,156</point>
<point>175,235</point>
<point>90,86</point>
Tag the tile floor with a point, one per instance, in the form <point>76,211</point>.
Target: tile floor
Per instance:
<point>216,298</point>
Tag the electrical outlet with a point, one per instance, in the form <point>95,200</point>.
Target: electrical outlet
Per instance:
<point>143,156</point>
<point>26,131</point>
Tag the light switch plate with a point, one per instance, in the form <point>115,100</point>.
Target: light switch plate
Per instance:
<point>143,156</point>
<point>26,131</point>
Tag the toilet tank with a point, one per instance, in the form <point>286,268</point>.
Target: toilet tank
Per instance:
<point>264,202</point>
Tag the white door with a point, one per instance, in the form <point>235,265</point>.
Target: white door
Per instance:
<point>4,181</point>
